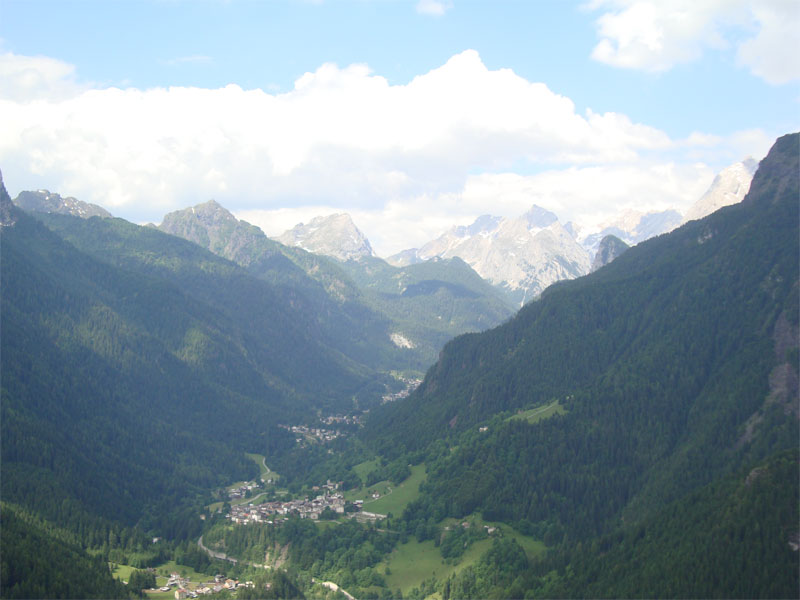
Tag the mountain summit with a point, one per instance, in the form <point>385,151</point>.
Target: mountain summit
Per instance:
<point>213,227</point>
<point>46,202</point>
<point>522,256</point>
<point>728,187</point>
<point>335,235</point>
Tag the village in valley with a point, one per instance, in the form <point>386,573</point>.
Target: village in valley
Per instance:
<point>219,584</point>
<point>330,500</point>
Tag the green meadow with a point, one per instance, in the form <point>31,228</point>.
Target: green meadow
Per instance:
<point>534,415</point>
<point>363,469</point>
<point>394,498</point>
<point>122,572</point>
<point>413,562</point>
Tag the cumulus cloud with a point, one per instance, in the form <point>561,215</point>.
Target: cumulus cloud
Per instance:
<point>27,78</point>
<point>774,53</point>
<point>404,160</point>
<point>656,36</point>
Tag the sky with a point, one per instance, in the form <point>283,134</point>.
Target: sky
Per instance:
<point>412,116</point>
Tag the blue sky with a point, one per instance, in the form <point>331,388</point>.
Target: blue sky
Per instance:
<point>480,107</point>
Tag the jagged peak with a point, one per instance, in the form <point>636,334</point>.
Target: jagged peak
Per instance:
<point>45,201</point>
<point>334,235</point>
<point>539,217</point>
<point>7,208</point>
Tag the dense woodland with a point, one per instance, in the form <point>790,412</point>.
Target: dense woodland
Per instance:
<point>138,369</point>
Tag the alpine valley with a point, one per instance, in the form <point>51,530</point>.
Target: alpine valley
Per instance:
<point>196,409</point>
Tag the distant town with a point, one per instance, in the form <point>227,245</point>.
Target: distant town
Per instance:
<point>270,512</point>
<point>411,385</point>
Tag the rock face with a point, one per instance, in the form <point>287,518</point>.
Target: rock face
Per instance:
<point>7,217</point>
<point>522,256</point>
<point>213,227</point>
<point>44,201</point>
<point>335,236</point>
<point>632,227</point>
<point>610,248</point>
<point>729,187</point>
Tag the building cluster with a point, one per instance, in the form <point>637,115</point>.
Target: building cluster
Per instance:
<point>241,491</point>
<point>183,589</point>
<point>269,511</point>
<point>411,385</point>
<point>343,420</point>
<point>304,433</point>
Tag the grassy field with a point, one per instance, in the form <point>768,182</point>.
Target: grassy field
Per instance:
<point>266,472</point>
<point>183,570</point>
<point>122,572</point>
<point>364,468</point>
<point>401,495</point>
<point>540,413</point>
<point>413,562</point>
<point>394,498</point>
<point>161,595</point>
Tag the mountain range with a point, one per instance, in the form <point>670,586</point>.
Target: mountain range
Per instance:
<point>668,381</point>
<point>390,318</point>
<point>631,432</point>
<point>522,256</point>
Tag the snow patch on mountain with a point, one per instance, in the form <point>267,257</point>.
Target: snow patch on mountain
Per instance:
<point>729,187</point>
<point>334,235</point>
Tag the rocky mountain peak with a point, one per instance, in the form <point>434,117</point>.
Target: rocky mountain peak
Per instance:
<point>211,213</point>
<point>47,202</point>
<point>610,248</point>
<point>333,235</point>
<point>729,187</point>
<point>213,227</point>
<point>7,217</point>
<point>522,256</point>
<point>539,217</point>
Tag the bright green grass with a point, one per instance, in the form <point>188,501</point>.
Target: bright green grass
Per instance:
<point>259,498</point>
<point>394,498</point>
<point>188,572</point>
<point>266,472</point>
<point>161,595</point>
<point>413,562</point>
<point>382,487</point>
<point>532,547</point>
<point>363,469</point>
<point>534,415</point>
<point>122,572</point>
<point>401,495</point>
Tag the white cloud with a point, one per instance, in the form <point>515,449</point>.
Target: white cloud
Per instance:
<point>656,36</point>
<point>27,78</point>
<point>774,53</point>
<point>404,160</point>
<point>435,8</point>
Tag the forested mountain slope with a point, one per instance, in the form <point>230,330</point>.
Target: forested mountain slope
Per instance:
<point>318,287</point>
<point>428,303</point>
<point>671,313</point>
<point>675,366</point>
<point>382,316</point>
<point>138,369</point>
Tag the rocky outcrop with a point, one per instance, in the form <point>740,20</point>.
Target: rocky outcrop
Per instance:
<point>729,187</point>
<point>335,236</point>
<point>522,256</point>
<point>610,248</point>
<point>47,202</point>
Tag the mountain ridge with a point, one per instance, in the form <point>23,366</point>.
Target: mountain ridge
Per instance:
<point>334,235</point>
